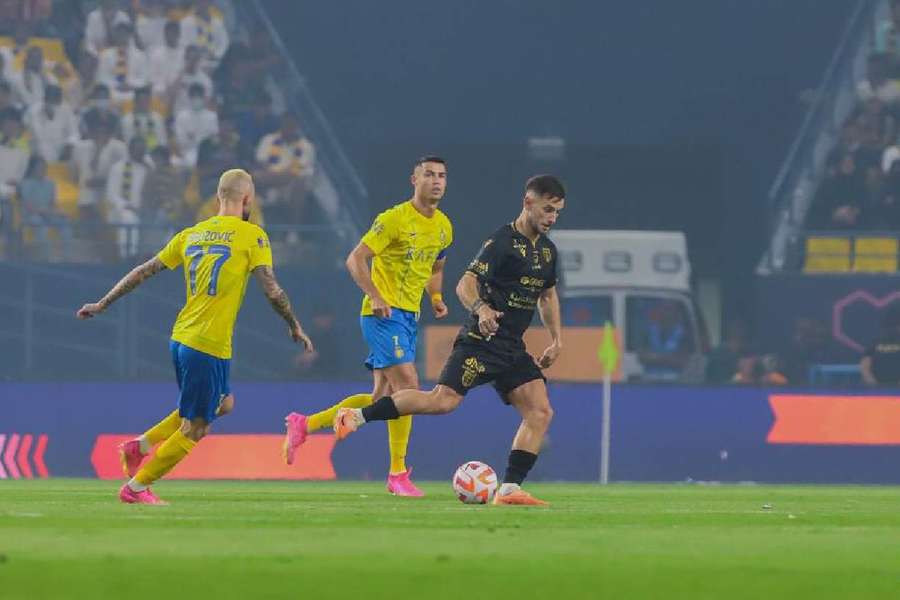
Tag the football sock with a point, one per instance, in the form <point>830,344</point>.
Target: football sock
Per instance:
<point>169,454</point>
<point>136,485</point>
<point>398,440</point>
<point>383,409</point>
<point>325,418</point>
<point>508,488</point>
<point>520,462</point>
<point>161,431</point>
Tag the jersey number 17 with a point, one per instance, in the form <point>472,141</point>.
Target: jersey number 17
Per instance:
<point>196,254</point>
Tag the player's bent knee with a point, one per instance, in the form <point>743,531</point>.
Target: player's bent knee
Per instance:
<point>195,430</point>
<point>541,415</point>
<point>446,400</point>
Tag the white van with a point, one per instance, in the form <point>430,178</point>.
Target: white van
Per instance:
<point>640,282</point>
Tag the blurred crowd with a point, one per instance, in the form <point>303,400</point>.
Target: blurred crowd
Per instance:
<point>117,117</point>
<point>861,190</point>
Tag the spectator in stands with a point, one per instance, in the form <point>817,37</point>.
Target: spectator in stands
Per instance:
<point>20,45</point>
<point>887,37</point>
<point>194,124</point>
<point>841,196</point>
<point>150,24</point>
<point>15,151</point>
<point>255,120</point>
<point>32,81</point>
<point>13,133</point>
<point>877,84</point>
<point>92,159</point>
<point>880,365</point>
<point>204,26</point>
<point>874,117</point>
<point>722,364</point>
<point>143,121</point>
<point>663,348</point>
<point>100,99</point>
<point>884,214</point>
<point>5,73</point>
<point>760,370</point>
<point>100,23</point>
<point>37,194</point>
<point>124,196</point>
<point>217,154</point>
<point>7,99</point>
<point>809,346</point>
<point>261,53</point>
<point>163,201</point>
<point>167,61</point>
<point>53,126</point>
<point>122,67</point>
<point>191,75</point>
<point>286,162</point>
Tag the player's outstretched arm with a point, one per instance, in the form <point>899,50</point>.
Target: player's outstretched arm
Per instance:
<point>358,265</point>
<point>135,278</point>
<point>469,292</point>
<point>280,302</point>
<point>548,306</point>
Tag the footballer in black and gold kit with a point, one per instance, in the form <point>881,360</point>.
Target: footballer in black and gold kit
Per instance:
<point>513,275</point>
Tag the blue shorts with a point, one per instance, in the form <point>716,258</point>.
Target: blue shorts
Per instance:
<point>202,381</point>
<point>391,341</point>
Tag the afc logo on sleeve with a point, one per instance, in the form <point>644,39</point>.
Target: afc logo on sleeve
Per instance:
<point>262,242</point>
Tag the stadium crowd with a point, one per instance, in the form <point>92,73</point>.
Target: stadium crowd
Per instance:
<point>117,117</point>
<point>861,189</point>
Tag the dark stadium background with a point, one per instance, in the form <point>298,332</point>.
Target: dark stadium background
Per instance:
<point>682,111</point>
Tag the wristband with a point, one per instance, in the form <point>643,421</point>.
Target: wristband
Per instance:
<point>476,305</point>
<point>437,297</point>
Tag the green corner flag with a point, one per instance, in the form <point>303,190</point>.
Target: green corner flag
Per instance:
<point>608,352</point>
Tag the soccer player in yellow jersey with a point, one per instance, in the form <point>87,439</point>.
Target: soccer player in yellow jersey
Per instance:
<point>217,256</point>
<point>407,245</point>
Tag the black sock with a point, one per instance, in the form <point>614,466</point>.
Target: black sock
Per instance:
<point>520,462</point>
<point>382,409</point>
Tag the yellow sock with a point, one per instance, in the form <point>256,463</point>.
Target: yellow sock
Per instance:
<point>172,451</point>
<point>325,418</point>
<point>164,429</point>
<point>398,439</point>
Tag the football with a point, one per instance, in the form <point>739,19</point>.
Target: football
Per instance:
<point>475,482</point>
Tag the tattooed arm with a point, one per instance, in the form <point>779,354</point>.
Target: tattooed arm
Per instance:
<point>135,278</point>
<point>278,298</point>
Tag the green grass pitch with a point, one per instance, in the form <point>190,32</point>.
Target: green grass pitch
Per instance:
<point>72,539</point>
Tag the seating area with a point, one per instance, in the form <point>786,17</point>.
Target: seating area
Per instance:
<point>117,117</point>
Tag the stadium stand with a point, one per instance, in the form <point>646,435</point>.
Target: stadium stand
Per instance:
<point>200,93</point>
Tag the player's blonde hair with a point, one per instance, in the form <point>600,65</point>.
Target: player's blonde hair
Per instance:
<point>233,184</point>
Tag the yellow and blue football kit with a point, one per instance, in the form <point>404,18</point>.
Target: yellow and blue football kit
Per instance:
<point>217,256</point>
<point>406,244</point>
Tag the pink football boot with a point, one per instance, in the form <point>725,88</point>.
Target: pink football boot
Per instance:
<point>129,496</point>
<point>131,457</point>
<point>401,485</point>
<point>295,436</point>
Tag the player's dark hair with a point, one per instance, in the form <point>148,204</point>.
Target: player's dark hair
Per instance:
<point>545,186</point>
<point>430,158</point>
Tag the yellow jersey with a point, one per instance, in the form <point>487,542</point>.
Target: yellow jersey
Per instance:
<point>406,244</point>
<point>217,255</point>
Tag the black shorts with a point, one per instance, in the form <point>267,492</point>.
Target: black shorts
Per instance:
<point>472,364</point>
